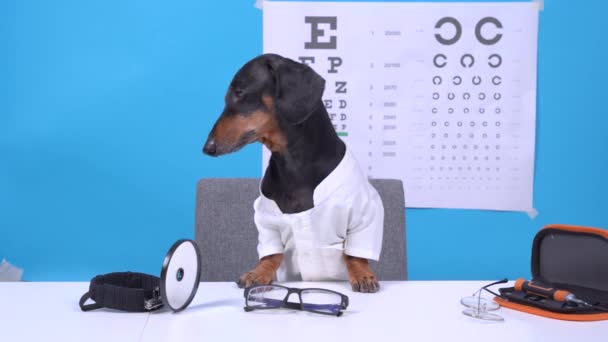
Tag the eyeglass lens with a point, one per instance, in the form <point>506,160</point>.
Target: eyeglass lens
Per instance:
<point>266,296</point>
<point>321,301</point>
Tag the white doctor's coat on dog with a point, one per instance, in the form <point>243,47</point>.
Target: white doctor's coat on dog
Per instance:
<point>347,218</point>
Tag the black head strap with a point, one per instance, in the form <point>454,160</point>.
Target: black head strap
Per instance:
<point>126,291</point>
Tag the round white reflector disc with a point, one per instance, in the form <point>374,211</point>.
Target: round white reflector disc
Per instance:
<point>180,275</point>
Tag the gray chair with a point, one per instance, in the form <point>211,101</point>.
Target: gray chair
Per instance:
<point>227,236</point>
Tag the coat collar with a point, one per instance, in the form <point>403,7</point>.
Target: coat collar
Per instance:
<point>345,171</point>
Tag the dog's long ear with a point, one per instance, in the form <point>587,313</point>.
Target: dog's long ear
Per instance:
<point>298,89</point>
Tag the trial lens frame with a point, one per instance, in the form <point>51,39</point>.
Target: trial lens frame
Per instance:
<point>485,288</point>
<point>335,309</point>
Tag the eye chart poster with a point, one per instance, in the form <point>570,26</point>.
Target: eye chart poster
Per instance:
<point>439,95</point>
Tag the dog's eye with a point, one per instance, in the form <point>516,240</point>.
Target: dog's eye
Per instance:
<point>238,93</point>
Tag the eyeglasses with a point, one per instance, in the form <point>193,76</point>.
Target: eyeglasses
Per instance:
<point>479,307</point>
<point>321,301</point>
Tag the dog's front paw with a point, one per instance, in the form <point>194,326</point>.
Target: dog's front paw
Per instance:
<point>365,283</point>
<point>254,278</point>
<point>361,275</point>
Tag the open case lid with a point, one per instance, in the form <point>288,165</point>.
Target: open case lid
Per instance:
<point>180,275</point>
<point>570,258</point>
<point>574,256</point>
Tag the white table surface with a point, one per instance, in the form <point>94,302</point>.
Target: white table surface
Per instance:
<point>401,311</point>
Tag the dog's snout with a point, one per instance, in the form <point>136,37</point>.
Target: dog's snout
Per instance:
<point>210,147</point>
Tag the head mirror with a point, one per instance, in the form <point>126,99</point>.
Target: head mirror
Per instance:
<point>180,275</point>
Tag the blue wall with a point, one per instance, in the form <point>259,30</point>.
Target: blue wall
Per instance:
<point>104,106</point>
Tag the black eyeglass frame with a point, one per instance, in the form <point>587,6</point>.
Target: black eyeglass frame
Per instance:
<point>296,306</point>
<point>485,288</point>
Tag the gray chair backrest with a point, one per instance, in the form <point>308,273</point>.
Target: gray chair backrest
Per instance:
<point>227,236</point>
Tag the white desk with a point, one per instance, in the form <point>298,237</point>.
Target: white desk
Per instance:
<point>50,312</point>
<point>401,311</point>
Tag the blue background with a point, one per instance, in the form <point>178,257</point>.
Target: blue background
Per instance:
<point>104,107</point>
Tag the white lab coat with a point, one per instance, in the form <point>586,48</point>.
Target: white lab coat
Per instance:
<point>347,218</point>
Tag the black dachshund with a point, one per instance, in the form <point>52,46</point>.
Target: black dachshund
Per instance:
<point>278,102</point>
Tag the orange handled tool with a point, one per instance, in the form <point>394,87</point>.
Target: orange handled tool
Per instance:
<point>542,290</point>
<point>549,292</point>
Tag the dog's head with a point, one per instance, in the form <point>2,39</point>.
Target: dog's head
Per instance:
<point>267,94</point>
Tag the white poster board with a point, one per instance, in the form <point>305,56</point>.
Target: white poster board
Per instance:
<point>439,95</point>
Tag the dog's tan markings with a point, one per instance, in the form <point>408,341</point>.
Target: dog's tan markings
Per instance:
<point>230,130</point>
<point>360,275</point>
<point>263,273</point>
<point>271,135</point>
<point>268,102</point>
